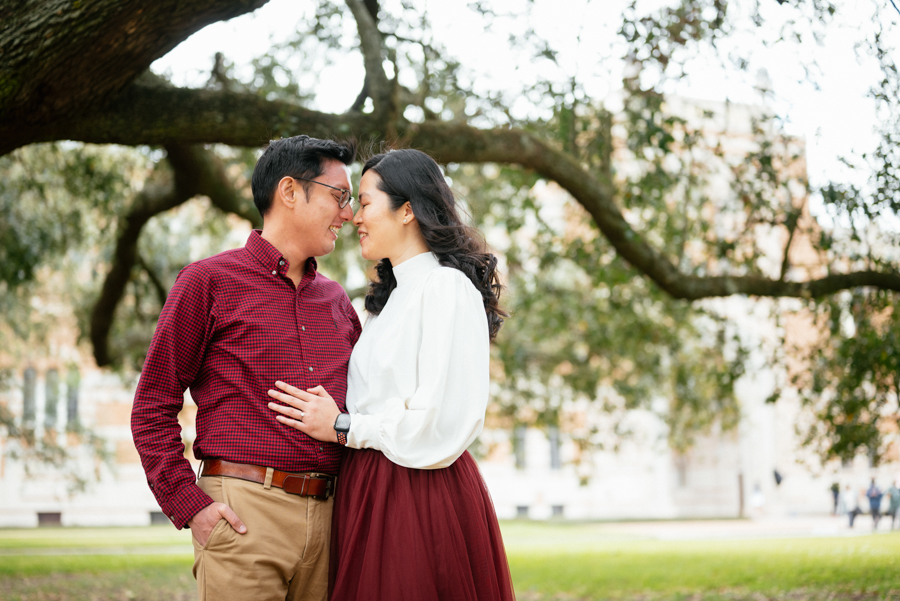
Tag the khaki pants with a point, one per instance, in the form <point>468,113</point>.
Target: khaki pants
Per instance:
<point>283,554</point>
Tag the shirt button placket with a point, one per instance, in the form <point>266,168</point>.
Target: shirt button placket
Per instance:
<point>303,342</point>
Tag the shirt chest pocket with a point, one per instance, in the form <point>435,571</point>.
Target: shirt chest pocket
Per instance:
<point>328,340</point>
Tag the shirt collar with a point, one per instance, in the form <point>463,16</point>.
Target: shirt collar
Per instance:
<point>411,269</point>
<point>271,259</point>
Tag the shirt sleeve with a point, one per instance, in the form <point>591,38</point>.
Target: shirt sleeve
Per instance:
<point>172,363</point>
<point>446,412</point>
<point>354,320</point>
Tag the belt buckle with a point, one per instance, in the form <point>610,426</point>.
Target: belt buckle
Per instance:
<point>329,486</point>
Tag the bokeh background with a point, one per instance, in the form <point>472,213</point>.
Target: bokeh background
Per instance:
<point>695,206</point>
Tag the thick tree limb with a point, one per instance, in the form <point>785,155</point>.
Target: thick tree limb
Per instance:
<point>65,70</point>
<point>59,57</point>
<point>160,194</point>
<point>161,115</point>
<point>379,87</point>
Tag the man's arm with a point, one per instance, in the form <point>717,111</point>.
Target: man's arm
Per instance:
<point>173,361</point>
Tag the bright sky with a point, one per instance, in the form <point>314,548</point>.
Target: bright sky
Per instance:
<point>836,119</point>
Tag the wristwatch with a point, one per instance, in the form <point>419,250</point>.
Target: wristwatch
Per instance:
<point>342,426</point>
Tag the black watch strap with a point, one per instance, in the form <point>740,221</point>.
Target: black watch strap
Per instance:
<point>342,427</point>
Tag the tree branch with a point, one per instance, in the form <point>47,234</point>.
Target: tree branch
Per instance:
<point>158,286</point>
<point>160,194</point>
<point>196,171</point>
<point>370,43</point>
<point>212,181</point>
<point>163,115</point>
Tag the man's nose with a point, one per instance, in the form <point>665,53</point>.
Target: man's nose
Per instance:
<point>347,212</point>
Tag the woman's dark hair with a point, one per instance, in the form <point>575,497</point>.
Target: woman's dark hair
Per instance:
<point>412,176</point>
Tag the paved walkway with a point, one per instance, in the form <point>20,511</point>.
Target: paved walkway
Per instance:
<point>757,528</point>
<point>760,527</point>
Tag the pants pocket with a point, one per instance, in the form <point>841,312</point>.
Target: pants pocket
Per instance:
<point>214,534</point>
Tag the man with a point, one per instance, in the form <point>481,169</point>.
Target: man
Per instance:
<point>874,494</point>
<point>232,325</point>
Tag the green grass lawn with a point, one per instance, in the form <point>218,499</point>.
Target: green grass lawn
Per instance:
<point>580,561</point>
<point>548,561</point>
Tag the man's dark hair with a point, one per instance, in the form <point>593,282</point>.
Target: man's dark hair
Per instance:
<point>297,156</point>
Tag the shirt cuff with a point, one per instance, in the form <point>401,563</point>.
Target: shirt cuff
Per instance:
<point>185,504</point>
<point>365,432</point>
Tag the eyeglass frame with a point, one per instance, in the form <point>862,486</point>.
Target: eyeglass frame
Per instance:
<point>344,192</point>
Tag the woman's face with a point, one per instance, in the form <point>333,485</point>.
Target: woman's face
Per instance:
<point>381,232</point>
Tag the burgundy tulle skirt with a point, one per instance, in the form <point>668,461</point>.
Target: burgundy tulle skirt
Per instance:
<point>415,535</point>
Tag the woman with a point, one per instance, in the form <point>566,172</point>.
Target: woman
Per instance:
<point>413,518</point>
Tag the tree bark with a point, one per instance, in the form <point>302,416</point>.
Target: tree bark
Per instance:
<point>59,57</point>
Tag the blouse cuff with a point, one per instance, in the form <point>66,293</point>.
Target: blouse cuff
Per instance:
<point>365,432</point>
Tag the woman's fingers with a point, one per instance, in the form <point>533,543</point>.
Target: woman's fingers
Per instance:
<point>288,411</point>
<point>296,392</point>
<point>291,422</point>
<point>290,400</point>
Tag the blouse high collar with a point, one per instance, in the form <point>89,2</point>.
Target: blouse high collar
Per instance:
<point>410,269</point>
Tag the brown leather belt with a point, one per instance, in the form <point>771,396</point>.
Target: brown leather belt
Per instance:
<point>317,486</point>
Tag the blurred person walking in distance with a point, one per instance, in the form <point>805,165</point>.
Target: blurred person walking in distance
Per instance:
<point>874,494</point>
<point>413,517</point>
<point>835,497</point>
<point>893,494</point>
<point>260,514</point>
<point>844,500</point>
<point>856,504</point>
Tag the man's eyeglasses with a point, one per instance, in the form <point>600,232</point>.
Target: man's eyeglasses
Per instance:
<point>345,194</point>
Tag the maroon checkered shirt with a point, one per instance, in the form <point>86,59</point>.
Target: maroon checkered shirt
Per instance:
<point>232,325</point>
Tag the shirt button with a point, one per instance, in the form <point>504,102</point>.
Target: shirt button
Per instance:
<point>303,328</point>
<point>274,273</point>
<point>281,262</point>
<point>310,369</point>
<point>321,448</point>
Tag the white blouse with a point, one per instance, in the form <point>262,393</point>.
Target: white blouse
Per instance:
<point>419,375</point>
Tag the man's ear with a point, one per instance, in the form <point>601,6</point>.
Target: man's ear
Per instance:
<point>286,191</point>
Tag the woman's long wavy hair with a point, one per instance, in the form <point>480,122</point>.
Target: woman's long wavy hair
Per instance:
<point>412,176</point>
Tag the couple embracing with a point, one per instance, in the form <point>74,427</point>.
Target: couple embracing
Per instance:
<point>334,462</point>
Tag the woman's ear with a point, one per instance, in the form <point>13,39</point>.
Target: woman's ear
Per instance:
<point>408,216</point>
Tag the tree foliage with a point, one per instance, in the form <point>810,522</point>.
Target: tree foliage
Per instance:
<point>606,293</point>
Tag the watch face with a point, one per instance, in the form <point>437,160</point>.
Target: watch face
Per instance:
<point>342,423</point>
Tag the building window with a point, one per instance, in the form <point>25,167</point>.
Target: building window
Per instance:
<point>522,511</point>
<point>28,392</point>
<point>557,511</point>
<point>73,381</point>
<point>50,519</point>
<point>553,437</point>
<point>519,446</point>
<point>158,518</point>
<point>51,399</point>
